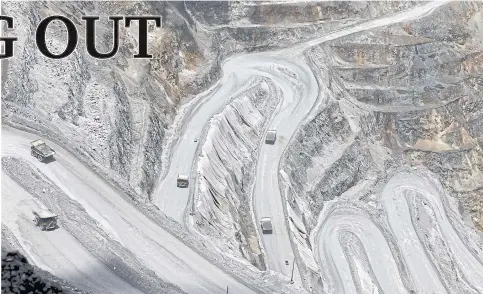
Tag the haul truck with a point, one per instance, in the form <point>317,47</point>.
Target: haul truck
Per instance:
<point>182,181</point>
<point>41,151</point>
<point>45,219</point>
<point>271,137</point>
<point>266,224</point>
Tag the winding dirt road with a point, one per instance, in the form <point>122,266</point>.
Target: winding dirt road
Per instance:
<point>398,201</point>
<point>167,256</point>
<point>174,262</point>
<point>333,261</point>
<point>56,251</point>
<point>289,71</point>
<point>397,205</point>
<point>238,72</point>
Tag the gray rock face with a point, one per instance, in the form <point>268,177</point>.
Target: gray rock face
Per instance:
<point>409,94</point>
<point>226,172</point>
<point>221,13</point>
<point>89,103</point>
<point>405,95</point>
<point>116,111</point>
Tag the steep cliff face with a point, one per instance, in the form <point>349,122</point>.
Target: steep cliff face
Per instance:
<point>114,113</point>
<point>258,13</point>
<point>226,169</point>
<point>405,95</point>
<point>231,146</point>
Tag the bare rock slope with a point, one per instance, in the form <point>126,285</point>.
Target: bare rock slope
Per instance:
<point>407,95</point>
<point>397,97</point>
<point>114,113</point>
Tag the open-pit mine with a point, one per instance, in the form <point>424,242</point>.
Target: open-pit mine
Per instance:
<point>267,147</point>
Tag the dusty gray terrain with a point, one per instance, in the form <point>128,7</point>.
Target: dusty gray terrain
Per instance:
<point>9,245</point>
<point>364,96</point>
<point>79,224</point>
<point>245,118</point>
<point>409,94</point>
<point>117,111</point>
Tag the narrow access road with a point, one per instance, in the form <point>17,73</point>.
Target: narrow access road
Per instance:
<point>237,71</point>
<point>411,14</point>
<point>55,251</point>
<point>167,196</point>
<point>396,195</point>
<point>334,264</point>
<point>298,99</point>
<point>167,256</point>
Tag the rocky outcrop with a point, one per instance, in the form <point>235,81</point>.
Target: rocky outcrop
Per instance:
<point>226,172</point>
<point>18,276</point>
<point>114,113</point>
<point>405,95</point>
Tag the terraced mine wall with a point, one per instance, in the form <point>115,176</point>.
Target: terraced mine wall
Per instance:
<point>406,95</point>
<point>226,169</point>
<point>119,119</point>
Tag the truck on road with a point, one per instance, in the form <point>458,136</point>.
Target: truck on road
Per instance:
<point>41,151</point>
<point>45,219</point>
<point>266,224</point>
<point>271,137</point>
<point>182,181</point>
